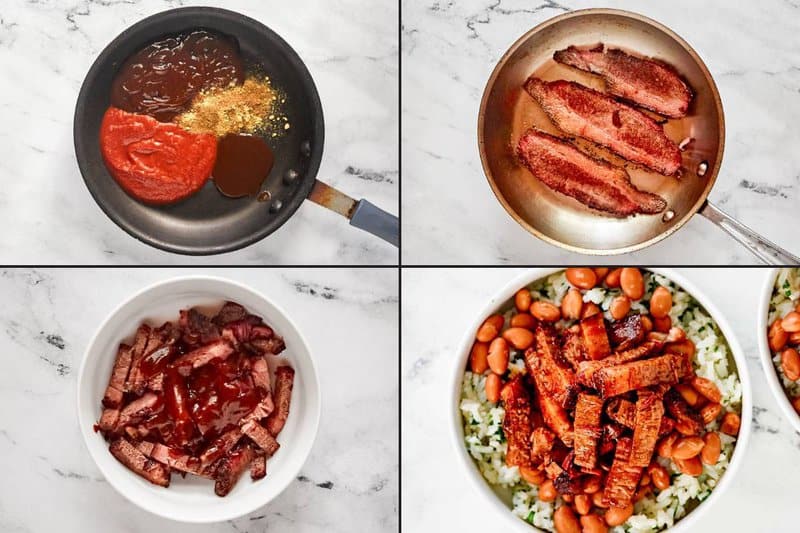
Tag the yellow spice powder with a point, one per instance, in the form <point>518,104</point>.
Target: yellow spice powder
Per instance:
<point>248,108</point>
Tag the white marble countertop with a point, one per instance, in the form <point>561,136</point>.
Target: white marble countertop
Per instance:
<point>46,48</point>
<point>50,483</point>
<point>448,51</point>
<point>438,305</point>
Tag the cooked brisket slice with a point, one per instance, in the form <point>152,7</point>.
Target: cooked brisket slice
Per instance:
<point>220,447</point>
<point>556,418</point>
<point>595,337</point>
<point>587,369</point>
<point>140,409</point>
<point>197,328</point>
<point>623,478</point>
<point>626,333</point>
<point>119,374</point>
<point>259,435</point>
<point>622,411</point>
<point>108,420</point>
<point>230,312</point>
<point>569,481</point>
<point>260,373</point>
<point>542,441</point>
<point>176,459</point>
<point>138,348</point>
<point>687,420</point>
<point>580,111</point>
<point>572,349</point>
<point>595,183</point>
<point>552,375</point>
<point>611,434</point>
<point>588,412</point>
<point>203,355</point>
<point>284,381</point>
<point>646,82</point>
<point>649,414</point>
<point>258,468</point>
<point>231,467</point>
<point>517,422</point>
<point>127,454</point>
<point>616,380</point>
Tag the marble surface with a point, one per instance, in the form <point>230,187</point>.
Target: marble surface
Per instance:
<point>448,51</point>
<point>50,483</point>
<point>46,48</point>
<point>438,305</point>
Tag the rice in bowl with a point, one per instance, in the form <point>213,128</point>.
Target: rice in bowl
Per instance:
<point>482,419</point>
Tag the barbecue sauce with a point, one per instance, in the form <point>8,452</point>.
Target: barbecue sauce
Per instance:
<point>162,79</point>
<point>243,163</point>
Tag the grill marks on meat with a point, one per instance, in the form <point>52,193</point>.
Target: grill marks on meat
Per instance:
<point>596,184</point>
<point>623,478</point>
<point>588,413</point>
<point>284,381</point>
<point>595,337</point>
<point>649,413</point>
<point>127,454</point>
<point>619,379</point>
<point>646,82</point>
<point>553,376</point>
<point>584,112</point>
<point>197,397</point>
<point>626,332</point>
<point>517,422</point>
<point>587,369</point>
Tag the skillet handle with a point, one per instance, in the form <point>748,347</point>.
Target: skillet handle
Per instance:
<point>375,220</point>
<point>766,251</point>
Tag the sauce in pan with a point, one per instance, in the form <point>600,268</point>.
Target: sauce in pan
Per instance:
<point>162,79</point>
<point>243,163</point>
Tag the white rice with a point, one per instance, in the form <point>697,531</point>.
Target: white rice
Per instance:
<point>785,297</point>
<point>486,443</point>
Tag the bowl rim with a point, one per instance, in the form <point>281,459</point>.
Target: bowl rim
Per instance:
<point>86,432</point>
<point>467,464</point>
<point>765,354</point>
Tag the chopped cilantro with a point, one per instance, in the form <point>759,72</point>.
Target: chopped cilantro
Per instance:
<point>530,518</point>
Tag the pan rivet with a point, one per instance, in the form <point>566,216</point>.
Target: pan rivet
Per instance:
<point>290,176</point>
<point>305,148</point>
<point>264,196</point>
<point>669,215</point>
<point>276,206</point>
<point>702,168</point>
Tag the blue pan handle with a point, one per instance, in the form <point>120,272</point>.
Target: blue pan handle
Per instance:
<point>373,219</point>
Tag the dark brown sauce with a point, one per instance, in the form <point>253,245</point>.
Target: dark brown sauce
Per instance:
<point>243,163</point>
<point>162,79</point>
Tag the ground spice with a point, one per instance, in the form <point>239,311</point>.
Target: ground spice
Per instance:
<point>253,108</point>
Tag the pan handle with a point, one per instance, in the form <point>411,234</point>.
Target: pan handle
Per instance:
<point>362,214</point>
<point>766,251</point>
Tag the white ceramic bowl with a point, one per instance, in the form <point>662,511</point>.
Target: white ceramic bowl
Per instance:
<point>503,300</point>
<point>770,371</point>
<point>192,499</point>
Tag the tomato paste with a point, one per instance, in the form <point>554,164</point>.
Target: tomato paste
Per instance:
<point>155,162</point>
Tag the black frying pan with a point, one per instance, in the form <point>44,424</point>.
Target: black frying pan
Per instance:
<point>209,223</point>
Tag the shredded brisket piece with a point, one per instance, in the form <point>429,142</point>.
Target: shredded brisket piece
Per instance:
<point>219,349</point>
<point>261,437</point>
<point>552,375</point>
<point>231,467</point>
<point>119,374</point>
<point>616,380</point>
<point>594,183</point>
<point>542,441</point>
<point>583,112</point>
<point>220,447</point>
<point>626,333</point>
<point>177,460</point>
<point>569,481</point>
<point>230,312</point>
<point>127,454</point>
<point>284,381</point>
<point>595,337</point>
<point>556,418</point>
<point>139,409</point>
<point>138,351</point>
<point>572,349</point>
<point>517,422</point>
<point>587,369</point>
<point>588,412</point>
<point>258,468</point>
<point>649,413</point>
<point>623,478</point>
<point>646,82</point>
<point>108,420</point>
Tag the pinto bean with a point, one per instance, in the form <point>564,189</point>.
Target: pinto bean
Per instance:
<point>519,338</point>
<point>791,322</point>
<point>582,278</point>
<point>692,466</point>
<point>613,278</point>
<point>523,320</point>
<point>790,363</point>
<point>659,476</point>
<point>730,424</point>
<point>689,394</point>
<point>712,448</point>
<point>478,362</point>
<point>498,356</point>
<point>572,304</point>
<point>616,516</point>
<point>522,300</point>
<point>620,307</point>
<point>583,504</point>
<point>490,328</point>
<point>777,336</point>
<point>632,283</point>
<point>590,309</point>
<point>710,412</point>
<point>687,447</point>
<point>666,445</point>
<point>660,302</point>
<point>493,386</point>
<point>592,523</point>
<point>663,324</point>
<point>545,311</point>
<point>565,520</point>
<point>547,491</point>
<point>707,388</point>
<point>531,475</point>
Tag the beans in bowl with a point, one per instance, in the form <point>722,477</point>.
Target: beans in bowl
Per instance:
<point>601,399</point>
<point>783,333</point>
